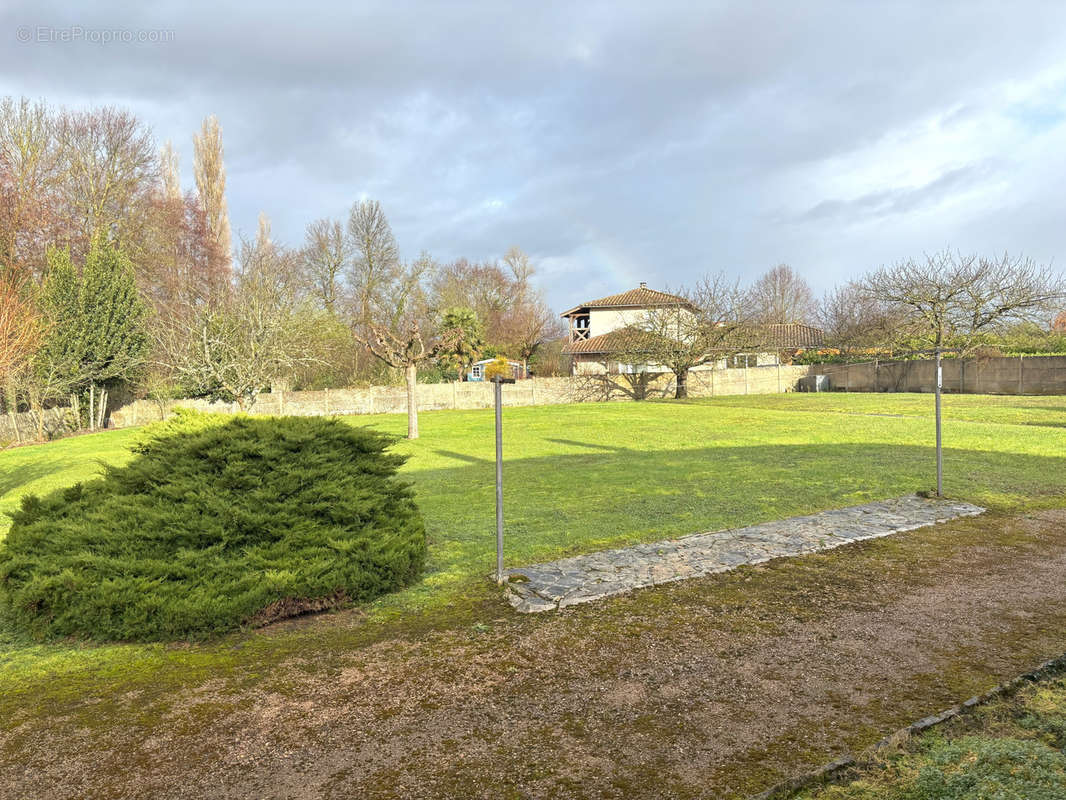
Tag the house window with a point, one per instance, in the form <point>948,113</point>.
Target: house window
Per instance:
<point>477,371</point>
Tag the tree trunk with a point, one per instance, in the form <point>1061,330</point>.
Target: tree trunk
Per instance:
<point>101,402</point>
<point>92,406</point>
<point>11,399</point>
<point>37,410</point>
<point>411,373</point>
<point>682,384</point>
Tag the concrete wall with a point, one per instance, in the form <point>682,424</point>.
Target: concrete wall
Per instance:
<point>372,400</point>
<point>594,363</point>
<point>433,396</point>
<point>1013,375</point>
<point>1026,375</point>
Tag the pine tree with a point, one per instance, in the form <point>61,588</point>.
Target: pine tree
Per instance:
<point>96,324</point>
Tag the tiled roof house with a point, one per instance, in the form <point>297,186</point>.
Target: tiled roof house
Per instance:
<point>595,327</point>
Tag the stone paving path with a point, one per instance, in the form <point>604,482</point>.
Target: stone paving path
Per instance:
<point>582,579</point>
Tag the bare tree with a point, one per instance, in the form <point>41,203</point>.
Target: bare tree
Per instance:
<point>520,267</point>
<point>854,322</point>
<point>109,170</point>
<point>951,301</point>
<point>484,287</point>
<point>782,296</point>
<point>707,326</point>
<point>29,172</point>
<point>393,315</point>
<point>21,331</point>
<point>170,172</point>
<point>324,258</point>
<point>527,320</point>
<point>243,342</point>
<point>20,326</point>
<point>210,175</point>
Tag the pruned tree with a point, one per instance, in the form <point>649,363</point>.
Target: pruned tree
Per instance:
<point>953,301</point>
<point>708,325</point>
<point>210,173</point>
<point>393,317</point>
<point>950,300</point>
<point>781,295</point>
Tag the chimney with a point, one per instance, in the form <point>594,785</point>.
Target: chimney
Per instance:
<point>643,285</point>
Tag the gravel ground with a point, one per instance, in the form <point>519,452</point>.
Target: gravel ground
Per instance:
<point>715,687</point>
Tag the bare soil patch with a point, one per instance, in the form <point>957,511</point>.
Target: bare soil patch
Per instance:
<point>716,687</point>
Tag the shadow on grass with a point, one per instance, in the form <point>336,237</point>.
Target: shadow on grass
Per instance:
<point>607,448</point>
<point>577,503</point>
<point>469,459</point>
<point>14,479</point>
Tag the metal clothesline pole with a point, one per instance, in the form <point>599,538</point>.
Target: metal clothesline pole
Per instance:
<point>939,440</point>
<point>497,389</point>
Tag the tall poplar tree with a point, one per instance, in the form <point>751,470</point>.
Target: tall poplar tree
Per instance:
<point>211,183</point>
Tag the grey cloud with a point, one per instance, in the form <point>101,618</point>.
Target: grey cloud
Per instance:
<point>608,138</point>
<point>901,200</point>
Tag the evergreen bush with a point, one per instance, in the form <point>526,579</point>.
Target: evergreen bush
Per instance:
<point>211,527</point>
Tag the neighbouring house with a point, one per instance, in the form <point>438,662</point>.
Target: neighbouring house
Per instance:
<point>777,343</point>
<point>594,329</point>
<point>477,370</point>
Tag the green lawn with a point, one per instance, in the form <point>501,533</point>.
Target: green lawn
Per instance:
<point>1014,747</point>
<point>585,477</point>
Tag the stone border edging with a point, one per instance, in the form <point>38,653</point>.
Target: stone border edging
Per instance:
<point>827,772</point>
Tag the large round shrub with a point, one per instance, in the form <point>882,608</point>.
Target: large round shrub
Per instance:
<point>212,526</point>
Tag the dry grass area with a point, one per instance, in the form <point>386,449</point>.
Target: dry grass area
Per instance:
<point>716,687</point>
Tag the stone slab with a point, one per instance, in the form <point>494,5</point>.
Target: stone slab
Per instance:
<point>583,579</point>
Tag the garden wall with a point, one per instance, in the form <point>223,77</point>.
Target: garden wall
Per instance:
<point>436,396</point>
<point>1006,375</point>
<point>23,426</point>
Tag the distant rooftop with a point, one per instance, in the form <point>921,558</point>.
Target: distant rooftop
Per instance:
<point>641,297</point>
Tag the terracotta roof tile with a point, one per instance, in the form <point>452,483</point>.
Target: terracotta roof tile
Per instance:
<point>604,343</point>
<point>639,298</point>
<point>788,336</point>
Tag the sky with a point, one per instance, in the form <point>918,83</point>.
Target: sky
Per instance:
<point>614,142</point>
